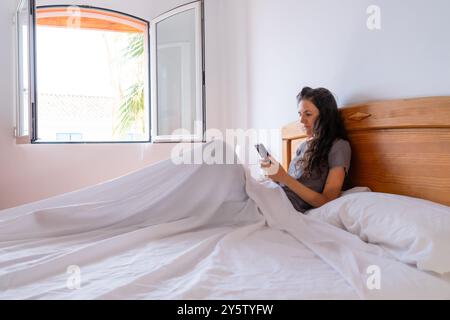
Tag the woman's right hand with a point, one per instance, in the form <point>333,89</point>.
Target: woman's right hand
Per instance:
<point>265,163</point>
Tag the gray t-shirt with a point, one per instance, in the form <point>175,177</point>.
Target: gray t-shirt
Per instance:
<point>339,156</point>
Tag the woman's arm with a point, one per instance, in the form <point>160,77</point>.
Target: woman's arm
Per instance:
<point>331,191</point>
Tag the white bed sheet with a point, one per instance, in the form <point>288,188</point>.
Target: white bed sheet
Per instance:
<point>212,263</point>
<point>173,232</point>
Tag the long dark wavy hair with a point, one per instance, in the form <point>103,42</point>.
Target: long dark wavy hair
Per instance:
<point>328,127</point>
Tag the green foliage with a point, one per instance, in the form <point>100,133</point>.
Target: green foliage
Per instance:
<point>135,48</point>
<point>131,109</point>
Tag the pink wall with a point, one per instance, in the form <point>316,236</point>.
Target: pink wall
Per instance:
<point>33,172</point>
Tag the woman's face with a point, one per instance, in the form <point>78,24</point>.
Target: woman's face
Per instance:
<point>308,114</point>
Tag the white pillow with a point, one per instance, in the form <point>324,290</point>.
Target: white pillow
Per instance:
<point>355,190</point>
<point>413,230</point>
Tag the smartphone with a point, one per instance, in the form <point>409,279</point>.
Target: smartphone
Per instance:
<point>262,151</point>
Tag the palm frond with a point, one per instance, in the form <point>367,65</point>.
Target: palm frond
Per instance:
<point>132,108</point>
<point>135,48</point>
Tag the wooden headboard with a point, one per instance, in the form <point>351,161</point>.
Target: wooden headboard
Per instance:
<point>398,146</point>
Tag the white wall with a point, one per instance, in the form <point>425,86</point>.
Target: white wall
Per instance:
<point>33,172</point>
<point>293,43</point>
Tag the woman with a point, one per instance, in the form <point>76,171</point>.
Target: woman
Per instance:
<point>319,171</point>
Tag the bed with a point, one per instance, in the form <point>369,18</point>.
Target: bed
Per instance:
<point>172,232</point>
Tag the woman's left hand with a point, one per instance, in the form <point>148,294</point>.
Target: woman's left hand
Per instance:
<point>275,171</point>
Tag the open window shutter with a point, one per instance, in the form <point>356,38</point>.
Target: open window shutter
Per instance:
<point>177,75</point>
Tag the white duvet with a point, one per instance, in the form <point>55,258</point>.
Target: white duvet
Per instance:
<point>191,232</point>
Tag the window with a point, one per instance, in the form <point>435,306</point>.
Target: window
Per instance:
<point>84,75</point>
<point>178,76</point>
<point>92,72</point>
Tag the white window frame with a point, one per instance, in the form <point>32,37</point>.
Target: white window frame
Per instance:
<point>199,135</point>
<point>19,127</point>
